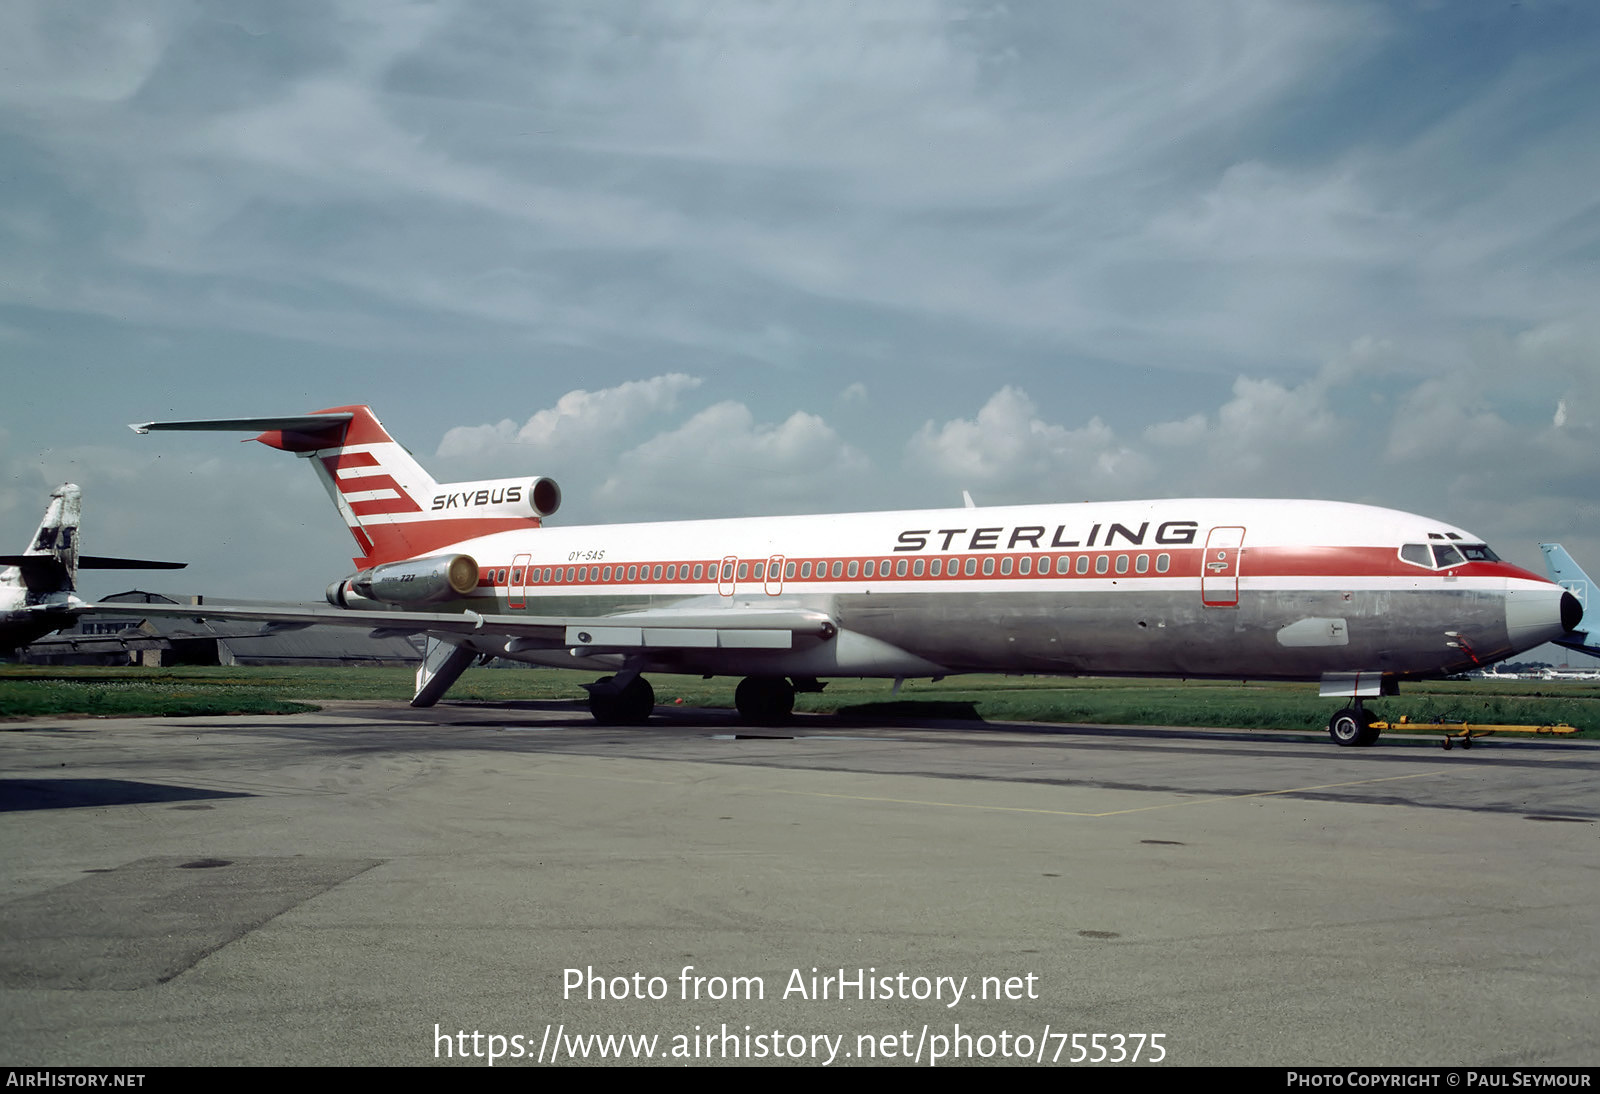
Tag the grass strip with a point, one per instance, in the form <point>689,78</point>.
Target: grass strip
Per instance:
<point>127,691</point>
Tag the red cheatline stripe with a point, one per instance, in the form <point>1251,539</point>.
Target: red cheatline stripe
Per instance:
<point>953,567</point>
<point>1261,563</point>
<point>1353,562</point>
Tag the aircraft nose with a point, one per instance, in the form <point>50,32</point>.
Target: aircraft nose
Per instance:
<point>1538,614</point>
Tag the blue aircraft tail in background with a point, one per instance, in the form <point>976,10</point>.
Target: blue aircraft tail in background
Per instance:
<point>1570,576</point>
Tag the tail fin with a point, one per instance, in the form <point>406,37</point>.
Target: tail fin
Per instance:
<point>1564,571</point>
<point>50,564</point>
<point>393,508</point>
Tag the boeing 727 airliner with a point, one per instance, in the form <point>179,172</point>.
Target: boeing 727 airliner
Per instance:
<point>1357,597</point>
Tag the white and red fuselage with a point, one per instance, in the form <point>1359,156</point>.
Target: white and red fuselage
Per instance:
<point>1192,587</point>
<point>1204,587</point>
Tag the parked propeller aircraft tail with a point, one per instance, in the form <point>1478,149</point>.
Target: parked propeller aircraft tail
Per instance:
<point>38,588</point>
<point>1354,596</point>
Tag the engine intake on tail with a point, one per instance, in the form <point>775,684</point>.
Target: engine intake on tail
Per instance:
<point>545,496</point>
<point>414,581</point>
<point>502,497</point>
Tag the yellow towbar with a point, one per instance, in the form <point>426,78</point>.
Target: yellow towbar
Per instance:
<point>1466,732</point>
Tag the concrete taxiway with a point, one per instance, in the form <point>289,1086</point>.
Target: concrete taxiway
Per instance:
<point>349,886</point>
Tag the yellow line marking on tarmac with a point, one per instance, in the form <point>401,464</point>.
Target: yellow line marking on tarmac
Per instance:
<point>1023,809</point>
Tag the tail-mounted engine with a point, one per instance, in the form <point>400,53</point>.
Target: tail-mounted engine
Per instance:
<point>414,581</point>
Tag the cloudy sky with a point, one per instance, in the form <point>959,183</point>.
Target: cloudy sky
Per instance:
<point>746,258</point>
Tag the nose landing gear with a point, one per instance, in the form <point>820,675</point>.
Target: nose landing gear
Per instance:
<point>1353,727</point>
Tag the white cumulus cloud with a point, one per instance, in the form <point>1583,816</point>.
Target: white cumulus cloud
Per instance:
<point>580,425</point>
<point>1008,446</point>
<point>724,462</point>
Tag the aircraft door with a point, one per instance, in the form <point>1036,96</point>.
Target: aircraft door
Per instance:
<point>725,579</point>
<point>774,579</point>
<point>1219,568</point>
<point>517,591</point>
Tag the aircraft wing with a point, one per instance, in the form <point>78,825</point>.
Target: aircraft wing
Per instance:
<point>97,643</point>
<point>732,627</point>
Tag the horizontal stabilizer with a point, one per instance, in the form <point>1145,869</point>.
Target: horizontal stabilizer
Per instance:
<point>47,571</point>
<point>1580,641</point>
<point>102,562</point>
<point>295,423</point>
<point>40,571</point>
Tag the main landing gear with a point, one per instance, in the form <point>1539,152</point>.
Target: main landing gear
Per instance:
<point>764,700</point>
<point>1353,727</point>
<point>623,701</point>
<point>627,705</point>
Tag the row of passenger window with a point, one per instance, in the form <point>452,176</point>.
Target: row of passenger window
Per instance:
<point>830,569</point>
<point>970,565</point>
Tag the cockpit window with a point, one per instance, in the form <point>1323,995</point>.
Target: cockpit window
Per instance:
<point>1417,554</point>
<point>1442,556</point>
